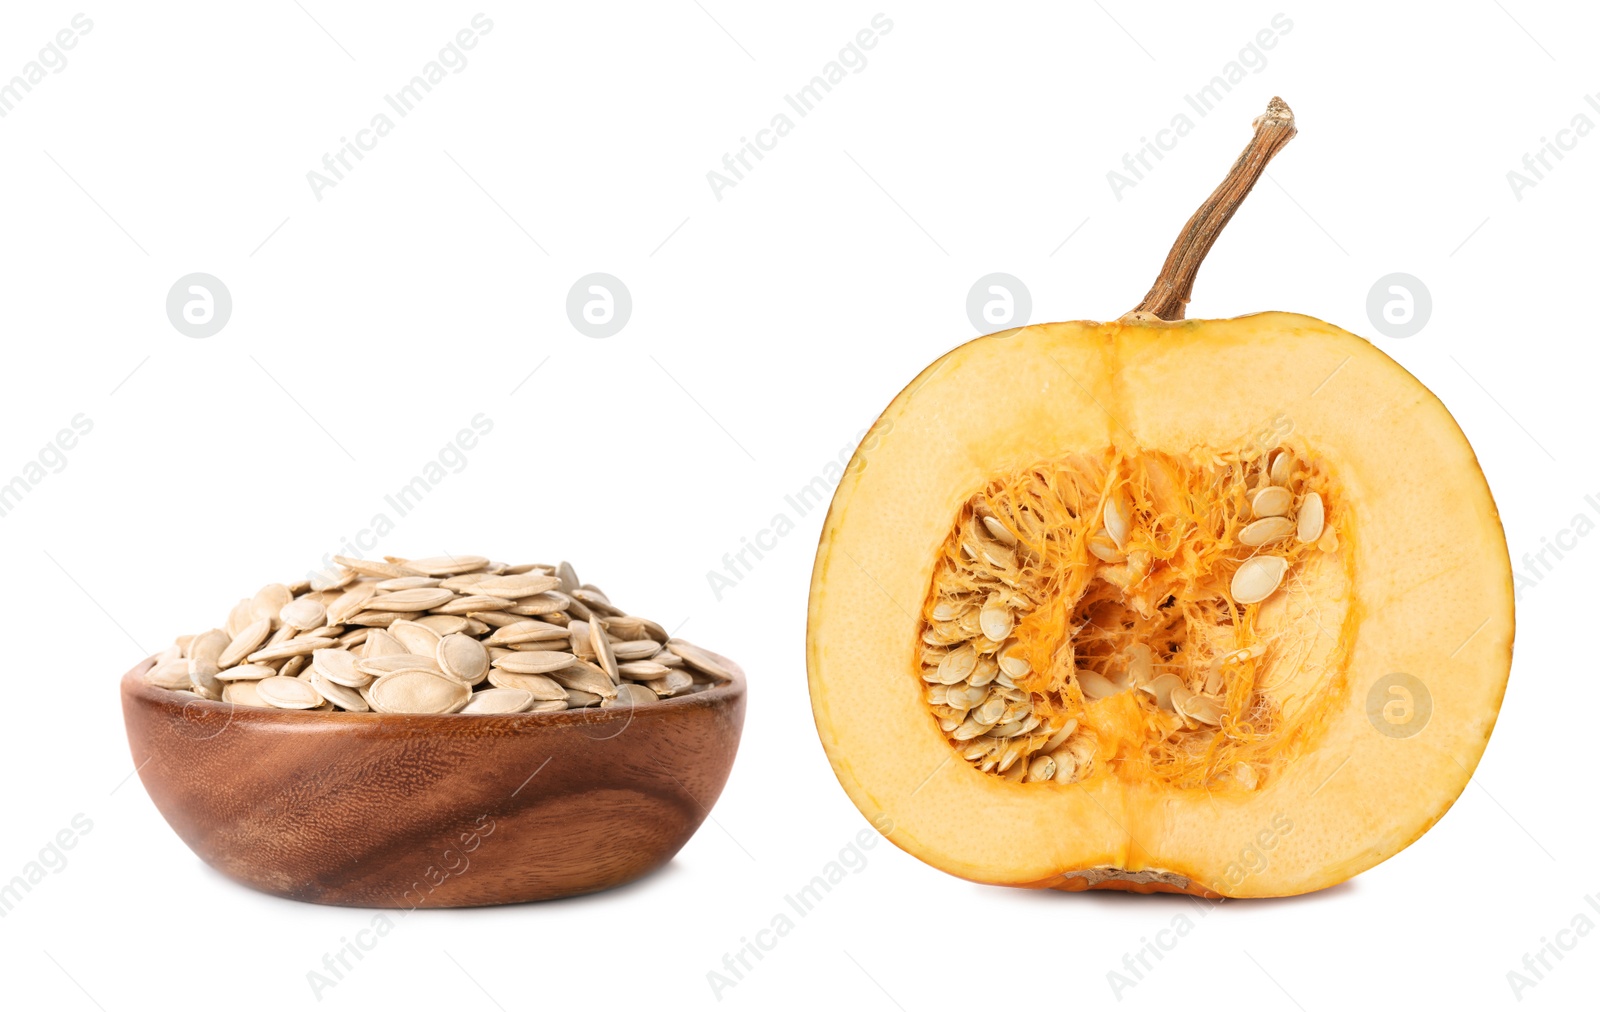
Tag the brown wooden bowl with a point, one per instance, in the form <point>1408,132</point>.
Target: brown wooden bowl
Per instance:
<point>457,810</point>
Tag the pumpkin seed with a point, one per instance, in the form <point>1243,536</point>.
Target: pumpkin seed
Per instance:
<point>1271,501</point>
<point>997,530</point>
<point>351,602</point>
<point>701,660</point>
<point>464,658</point>
<point>246,673</point>
<point>1095,685</point>
<point>600,643</point>
<point>419,599</point>
<point>242,694</point>
<point>534,662</point>
<point>996,619</point>
<point>339,666</point>
<point>342,696</point>
<point>1258,577</point>
<point>542,687</point>
<point>270,601</point>
<point>1281,468</point>
<point>245,642</point>
<point>1117,520</point>
<point>288,693</point>
<point>498,700</point>
<point>417,692</point>
<point>630,694</point>
<point>1309,527</point>
<point>415,637</point>
<point>445,565</point>
<point>303,614</point>
<point>390,663</point>
<point>957,665</point>
<point>1266,530</point>
<point>643,670</point>
<point>584,677</point>
<point>173,674</point>
<point>670,684</point>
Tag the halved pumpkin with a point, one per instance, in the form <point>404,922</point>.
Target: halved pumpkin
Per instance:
<point>1221,607</point>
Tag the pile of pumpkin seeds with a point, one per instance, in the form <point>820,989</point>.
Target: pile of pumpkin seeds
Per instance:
<point>1136,578</point>
<point>452,634</point>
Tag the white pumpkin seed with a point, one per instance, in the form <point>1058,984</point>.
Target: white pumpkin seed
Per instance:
<point>997,530</point>
<point>415,637</point>
<point>1258,577</point>
<point>1281,468</point>
<point>996,619</point>
<point>1309,526</point>
<point>1271,501</point>
<point>342,696</point>
<point>417,692</point>
<point>498,700</point>
<point>1118,519</point>
<point>534,662</point>
<point>1265,531</point>
<point>464,658</point>
<point>542,687</point>
<point>288,693</point>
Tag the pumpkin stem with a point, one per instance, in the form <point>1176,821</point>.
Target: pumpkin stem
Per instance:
<point>1170,294</point>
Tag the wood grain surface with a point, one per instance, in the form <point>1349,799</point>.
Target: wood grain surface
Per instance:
<point>403,811</point>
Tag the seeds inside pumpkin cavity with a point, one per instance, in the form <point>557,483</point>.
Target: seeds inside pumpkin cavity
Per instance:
<point>1080,598</point>
<point>452,634</point>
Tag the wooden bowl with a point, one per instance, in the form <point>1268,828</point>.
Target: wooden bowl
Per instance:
<point>403,811</point>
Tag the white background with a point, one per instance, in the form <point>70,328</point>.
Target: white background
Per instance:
<point>768,329</point>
